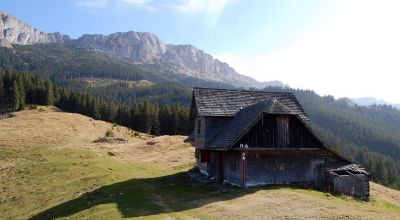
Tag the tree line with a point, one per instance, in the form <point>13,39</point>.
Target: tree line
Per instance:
<point>19,89</point>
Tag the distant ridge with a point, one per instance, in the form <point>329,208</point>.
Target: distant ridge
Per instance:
<point>365,101</point>
<point>140,47</point>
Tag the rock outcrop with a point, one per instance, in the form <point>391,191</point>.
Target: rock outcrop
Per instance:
<point>148,48</point>
<point>15,31</point>
<point>136,46</point>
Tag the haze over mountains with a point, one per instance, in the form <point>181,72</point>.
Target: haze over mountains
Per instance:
<point>143,48</point>
<point>365,101</point>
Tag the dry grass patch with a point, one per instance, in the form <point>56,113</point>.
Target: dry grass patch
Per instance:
<point>385,194</point>
<point>100,82</point>
<point>167,152</point>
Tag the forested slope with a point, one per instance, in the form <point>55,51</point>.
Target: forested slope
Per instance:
<point>19,89</point>
<point>68,66</point>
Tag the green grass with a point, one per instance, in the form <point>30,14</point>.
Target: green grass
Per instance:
<point>386,205</point>
<point>76,183</point>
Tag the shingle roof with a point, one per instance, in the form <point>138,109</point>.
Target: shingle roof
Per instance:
<point>350,169</point>
<point>224,102</point>
<point>244,120</point>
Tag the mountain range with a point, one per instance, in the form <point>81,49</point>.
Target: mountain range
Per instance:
<point>366,101</point>
<point>144,49</point>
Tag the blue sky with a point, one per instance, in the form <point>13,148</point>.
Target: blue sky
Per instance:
<point>216,26</point>
<point>340,47</point>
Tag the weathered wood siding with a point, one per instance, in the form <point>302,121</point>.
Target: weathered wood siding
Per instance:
<point>282,167</point>
<point>232,167</point>
<point>282,131</point>
<point>356,185</point>
<point>212,166</point>
<point>279,131</point>
<point>201,165</point>
<point>268,167</point>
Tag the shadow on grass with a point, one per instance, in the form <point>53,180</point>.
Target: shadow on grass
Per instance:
<point>143,197</point>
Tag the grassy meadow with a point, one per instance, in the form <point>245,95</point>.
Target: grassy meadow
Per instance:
<point>51,168</point>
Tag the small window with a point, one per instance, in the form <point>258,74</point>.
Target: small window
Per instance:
<point>199,127</point>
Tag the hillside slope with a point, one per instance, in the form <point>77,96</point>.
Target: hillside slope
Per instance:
<point>50,157</point>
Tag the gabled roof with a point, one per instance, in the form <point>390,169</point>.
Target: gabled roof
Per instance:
<point>245,109</point>
<point>224,102</point>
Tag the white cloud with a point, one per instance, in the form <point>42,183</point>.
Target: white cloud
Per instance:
<point>136,2</point>
<point>97,4</point>
<point>210,8</point>
<point>354,54</point>
<point>91,3</point>
<point>144,4</point>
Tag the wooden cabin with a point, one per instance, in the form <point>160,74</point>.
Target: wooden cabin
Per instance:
<point>249,138</point>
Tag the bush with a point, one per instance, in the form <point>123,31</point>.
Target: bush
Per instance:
<point>109,133</point>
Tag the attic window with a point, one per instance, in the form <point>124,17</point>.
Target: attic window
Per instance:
<point>198,126</point>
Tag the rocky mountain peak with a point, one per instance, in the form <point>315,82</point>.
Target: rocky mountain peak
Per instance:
<point>15,31</point>
<point>136,46</point>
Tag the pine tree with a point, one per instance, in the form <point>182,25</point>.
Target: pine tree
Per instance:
<point>155,123</point>
<point>147,117</point>
<point>134,118</point>
<point>57,94</point>
<point>21,92</point>
<point>15,96</point>
<point>382,171</point>
<point>165,120</point>
<point>94,109</point>
<point>122,117</point>
<point>2,92</point>
<point>49,93</point>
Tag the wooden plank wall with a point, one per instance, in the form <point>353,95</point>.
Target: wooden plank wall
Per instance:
<point>280,167</point>
<point>232,167</point>
<point>277,131</point>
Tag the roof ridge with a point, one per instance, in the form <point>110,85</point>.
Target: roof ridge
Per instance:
<point>227,102</point>
<point>277,102</point>
<point>241,90</point>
